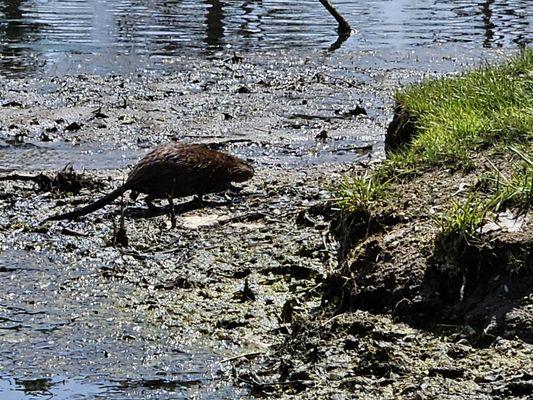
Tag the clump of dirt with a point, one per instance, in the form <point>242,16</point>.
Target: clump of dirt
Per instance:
<point>485,284</point>
<point>66,180</point>
<point>401,129</point>
<point>401,264</point>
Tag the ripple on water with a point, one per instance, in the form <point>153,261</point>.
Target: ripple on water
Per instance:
<point>63,333</point>
<point>57,387</point>
<point>101,36</point>
<point>56,155</point>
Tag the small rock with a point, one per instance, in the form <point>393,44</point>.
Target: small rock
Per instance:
<point>73,127</point>
<point>323,135</point>
<point>44,137</point>
<point>126,120</point>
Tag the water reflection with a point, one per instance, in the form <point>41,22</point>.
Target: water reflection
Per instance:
<point>251,24</point>
<point>120,35</point>
<point>487,22</point>
<point>47,388</point>
<point>214,23</point>
<point>14,31</point>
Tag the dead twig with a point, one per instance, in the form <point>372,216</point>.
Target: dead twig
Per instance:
<point>223,143</point>
<point>245,355</point>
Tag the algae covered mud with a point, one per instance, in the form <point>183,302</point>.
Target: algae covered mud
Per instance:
<point>164,316</point>
<point>227,303</point>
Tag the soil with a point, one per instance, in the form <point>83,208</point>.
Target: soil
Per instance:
<point>293,298</point>
<point>400,263</point>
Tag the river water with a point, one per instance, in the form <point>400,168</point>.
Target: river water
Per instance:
<point>64,340</point>
<point>100,36</point>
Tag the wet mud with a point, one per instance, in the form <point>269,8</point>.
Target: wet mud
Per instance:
<point>242,297</point>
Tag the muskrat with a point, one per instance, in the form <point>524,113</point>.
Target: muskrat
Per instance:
<point>175,170</point>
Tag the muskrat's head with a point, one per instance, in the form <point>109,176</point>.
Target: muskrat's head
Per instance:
<point>241,171</point>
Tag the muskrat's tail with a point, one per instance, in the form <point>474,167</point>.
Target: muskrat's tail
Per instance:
<point>89,208</point>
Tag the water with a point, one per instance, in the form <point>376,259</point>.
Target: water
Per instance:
<point>59,388</point>
<point>101,36</point>
<point>56,155</point>
<point>63,335</point>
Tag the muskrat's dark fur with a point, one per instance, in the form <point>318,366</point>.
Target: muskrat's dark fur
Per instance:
<point>175,170</point>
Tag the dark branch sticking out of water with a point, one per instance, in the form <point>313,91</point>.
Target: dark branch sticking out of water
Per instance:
<point>344,29</point>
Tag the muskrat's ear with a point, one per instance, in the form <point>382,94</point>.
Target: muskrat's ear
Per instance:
<point>250,160</point>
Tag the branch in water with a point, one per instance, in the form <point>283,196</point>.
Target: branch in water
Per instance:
<point>344,28</point>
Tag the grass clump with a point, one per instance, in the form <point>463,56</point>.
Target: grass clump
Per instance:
<point>359,192</point>
<point>454,119</point>
<point>455,116</point>
<point>516,190</point>
<point>463,219</point>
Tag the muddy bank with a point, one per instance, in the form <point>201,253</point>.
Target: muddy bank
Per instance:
<point>431,297</point>
<point>408,315</point>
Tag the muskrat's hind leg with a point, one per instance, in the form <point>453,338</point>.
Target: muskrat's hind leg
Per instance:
<point>198,200</point>
<point>148,200</point>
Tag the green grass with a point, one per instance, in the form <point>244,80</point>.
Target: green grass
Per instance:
<point>456,116</point>
<point>515,190</point>
<point>359,192</point>
<point>463,219</point>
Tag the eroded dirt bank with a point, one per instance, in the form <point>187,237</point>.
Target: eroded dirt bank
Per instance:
<point>238,297</point>
<point>407,314</point>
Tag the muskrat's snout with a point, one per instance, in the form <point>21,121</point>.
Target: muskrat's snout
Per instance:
<point>242,172</point>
